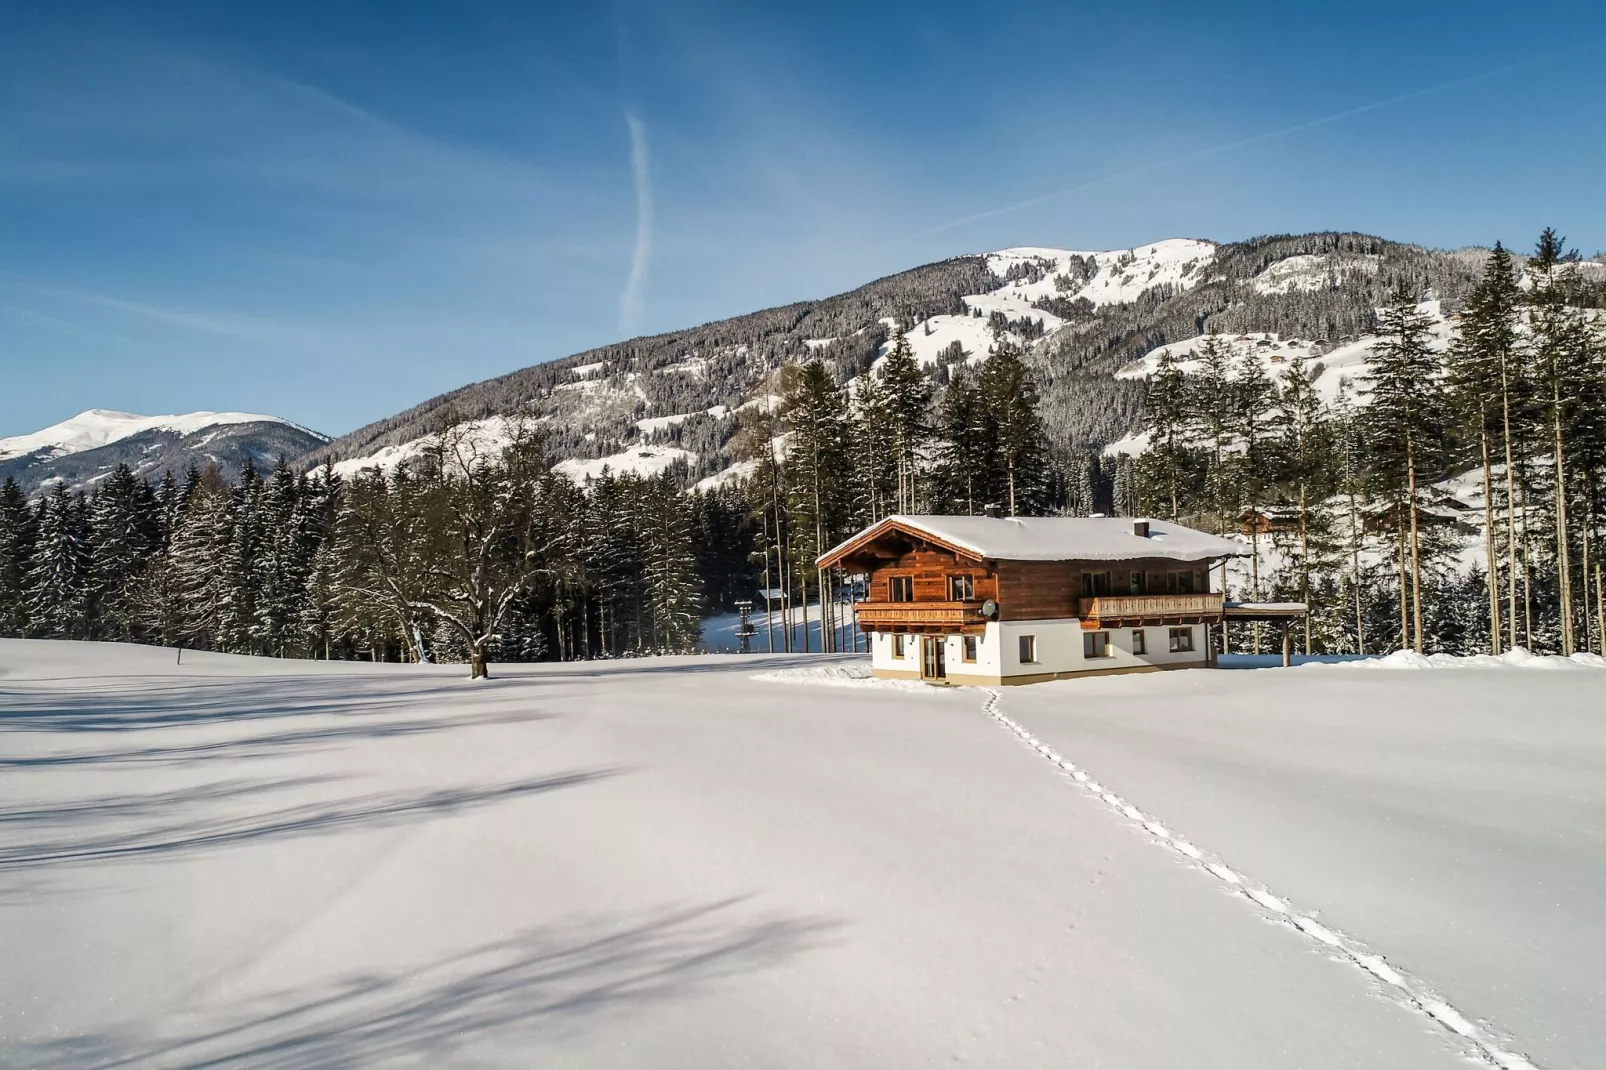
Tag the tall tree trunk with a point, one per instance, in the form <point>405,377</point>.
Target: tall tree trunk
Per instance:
<point>803,582</point>
<point>1511,507</point>
<point>1564,570</point>
<point>1416,549</point>
<point>1254,573</point>
<point>1304,561</point>
<point>769,603</point>
<point>1527,567</point>
<point>1493,576</point>
<point>1600,608</point>
<point>1405,587</point>
<point>1355,564</point>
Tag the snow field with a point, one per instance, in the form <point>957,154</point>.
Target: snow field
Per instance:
<point>239,862</point>
<point>1410,991</point>
<point>1448,819</point>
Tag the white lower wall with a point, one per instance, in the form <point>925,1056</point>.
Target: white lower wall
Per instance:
<point>1059,649</point>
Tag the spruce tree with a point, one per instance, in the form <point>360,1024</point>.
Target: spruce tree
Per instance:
<point>672,588</point>
<point>58,579</point>
<point>816,418</point>
<point>125,531</point>
<point>962,447</point>
<point>1019,449</point>
<point>906,404</point>
<point>1406,427</point>
<point>1480,379</point>
<point>1166,410</point>
<point>1302,458</point>
<point>19,533</point>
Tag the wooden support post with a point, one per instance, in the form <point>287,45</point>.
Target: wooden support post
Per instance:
<point>1288,657</point>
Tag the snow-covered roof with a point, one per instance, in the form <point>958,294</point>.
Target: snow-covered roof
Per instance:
<point>1052,538</point>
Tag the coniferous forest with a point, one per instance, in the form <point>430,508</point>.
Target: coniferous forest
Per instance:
<point>476,554</point>
<point>1349,504</point>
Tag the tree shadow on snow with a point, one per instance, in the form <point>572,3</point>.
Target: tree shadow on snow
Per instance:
<point>186,822</point>
<point>501,1002</point>
<point>300,714</point>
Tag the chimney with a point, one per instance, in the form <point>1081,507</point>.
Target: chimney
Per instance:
<point>1140,528</point>
<point>990,510</point>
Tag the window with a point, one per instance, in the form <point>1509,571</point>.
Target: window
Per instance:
<point>1140,582</point>
<point>1095,644</point>
<point>1181,583</point>
<point>969,643</point>
<point>897,646</point>
<point>1181,640</point>
<point>961,588</point>
<point>1140,645</point>
<point>1028,650</point>
<point>901,589</point>
<point>1095,584</point>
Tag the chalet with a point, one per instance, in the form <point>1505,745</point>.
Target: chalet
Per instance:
<point>994,600</point>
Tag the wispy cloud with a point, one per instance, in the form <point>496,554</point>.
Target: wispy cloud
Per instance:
<point>630,306</point>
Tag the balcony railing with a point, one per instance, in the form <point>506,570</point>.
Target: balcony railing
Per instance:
<point>886,615</point>
<point>1118,609</point>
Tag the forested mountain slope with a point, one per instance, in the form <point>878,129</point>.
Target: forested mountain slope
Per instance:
<point>1081,316</point>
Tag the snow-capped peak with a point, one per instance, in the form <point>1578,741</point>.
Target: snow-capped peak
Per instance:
<point>95,428</point>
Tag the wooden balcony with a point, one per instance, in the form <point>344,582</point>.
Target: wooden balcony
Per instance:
<point>1135,610</point>
<point>919,616</point>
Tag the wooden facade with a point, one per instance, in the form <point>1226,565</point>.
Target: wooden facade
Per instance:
<point>914,580</point>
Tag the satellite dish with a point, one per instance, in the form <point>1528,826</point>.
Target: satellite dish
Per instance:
<point>989,609</point>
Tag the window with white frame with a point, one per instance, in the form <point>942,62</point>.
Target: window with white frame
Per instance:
<point>1095,644</point>
<point>1140,645</point>
<point>1028,650</point>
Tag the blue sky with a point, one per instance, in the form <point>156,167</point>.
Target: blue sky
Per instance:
<point>333,211</point>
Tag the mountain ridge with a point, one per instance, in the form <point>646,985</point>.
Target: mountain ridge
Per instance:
<point>1080,315</point>
<point>82,449</point>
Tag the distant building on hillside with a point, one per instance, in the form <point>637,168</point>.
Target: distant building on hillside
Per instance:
<point>993,600</point>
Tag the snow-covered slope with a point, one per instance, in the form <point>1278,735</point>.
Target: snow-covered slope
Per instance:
<point>1032,274</point>
<point>101,427</point>
<point>81,450</point>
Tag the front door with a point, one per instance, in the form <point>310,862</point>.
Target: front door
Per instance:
<point>932,666</point>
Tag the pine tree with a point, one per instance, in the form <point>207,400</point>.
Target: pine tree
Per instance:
<point>1019,455</point>
<point>1302,458</point>
<point>125,531</point>
<point>672,588</point>
<point>19,533</point>
<point>1214,414</point>
<point>1480,374</point>
<point>191,616</point>
<point>816,418</point>
<point>960,475</point>
<point>1252,405</point>
<point>1167,410</point>
<point>1561,343</point>
<point>58,578</point>
<point>1406,425</point>
<point>907,401</point>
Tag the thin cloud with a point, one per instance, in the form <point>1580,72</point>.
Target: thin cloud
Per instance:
<point>1216,150</point>
<point>630,306</point>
